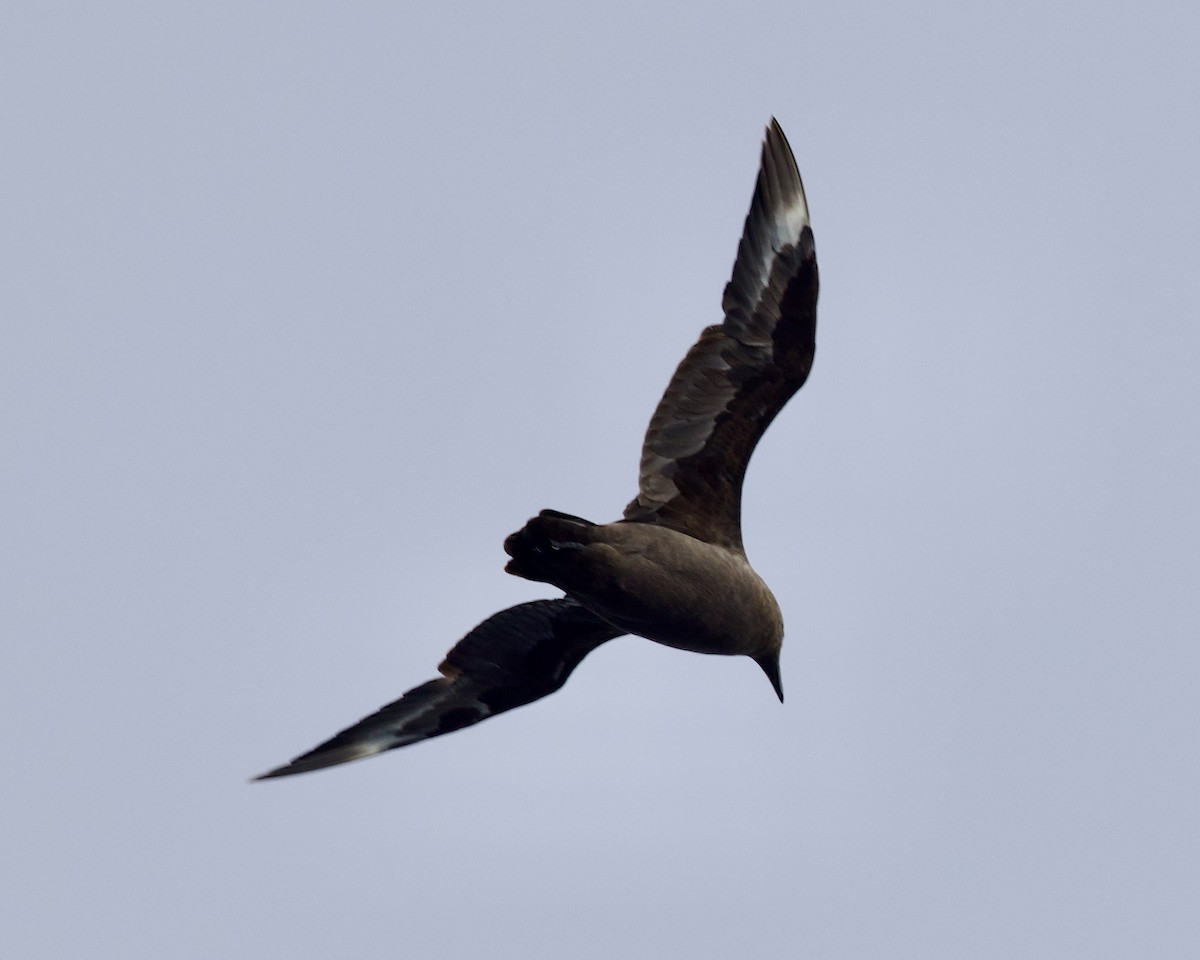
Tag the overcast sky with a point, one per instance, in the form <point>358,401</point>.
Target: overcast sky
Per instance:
<point>303,308</point>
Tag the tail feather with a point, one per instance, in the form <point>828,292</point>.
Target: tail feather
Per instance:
<point>535,550</point>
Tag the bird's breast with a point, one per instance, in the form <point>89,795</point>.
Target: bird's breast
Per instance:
<point>680,591</point>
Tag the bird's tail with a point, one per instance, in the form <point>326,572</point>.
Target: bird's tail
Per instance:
<point>539,548</point>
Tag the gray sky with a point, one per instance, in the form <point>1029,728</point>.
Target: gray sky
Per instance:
<point>306,307</point>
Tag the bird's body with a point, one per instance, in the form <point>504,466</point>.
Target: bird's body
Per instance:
<point>673,568</point>
<point>653,581</point>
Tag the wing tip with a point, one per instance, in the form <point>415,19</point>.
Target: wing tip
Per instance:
<point>272,774</point>
<point>785,188</point>
<point>322,757</point>
<point>295,767</point>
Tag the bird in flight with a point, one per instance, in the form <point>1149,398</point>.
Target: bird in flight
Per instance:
<point>672,569</point>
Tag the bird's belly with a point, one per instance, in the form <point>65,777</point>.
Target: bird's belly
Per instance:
<point>681,592</point>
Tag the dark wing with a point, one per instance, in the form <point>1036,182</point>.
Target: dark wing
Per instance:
<point>514,657</point>
<point>739,374</point>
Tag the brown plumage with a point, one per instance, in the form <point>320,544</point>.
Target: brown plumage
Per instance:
<point>672,569</point>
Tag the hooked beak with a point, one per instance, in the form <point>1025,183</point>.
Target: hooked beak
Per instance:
<point>770,666</point>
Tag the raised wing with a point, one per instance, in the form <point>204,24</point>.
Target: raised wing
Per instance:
<point>739,374</point>
<point>514,657</point>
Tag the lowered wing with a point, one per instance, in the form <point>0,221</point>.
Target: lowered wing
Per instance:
<point>514,657</point>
